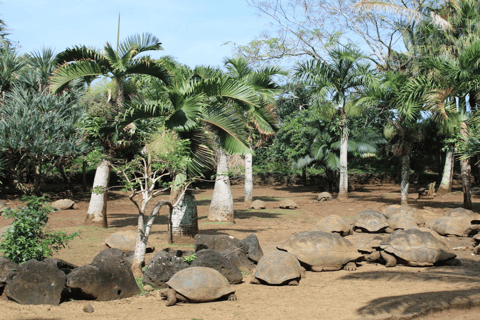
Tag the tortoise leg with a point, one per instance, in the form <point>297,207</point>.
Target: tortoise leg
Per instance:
<point>232,297</point>
<point>171,297</point>
<point>293,283</point>
<point>374,256</point>
<point>390,259</point>
<point>317,268</point>
<point>476,250</point>
<point>452,262</point>
<point>255,281</point>
<point>303,273</point>
<point>351,266</point>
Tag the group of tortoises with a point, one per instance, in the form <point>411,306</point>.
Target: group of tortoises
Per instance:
<point>396,236</point>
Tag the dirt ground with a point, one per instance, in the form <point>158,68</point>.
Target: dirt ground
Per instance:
<point>372,291</point>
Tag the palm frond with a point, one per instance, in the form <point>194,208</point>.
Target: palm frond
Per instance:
<point>139,43</point>
<point>68,72</point>
<point>151,68</point>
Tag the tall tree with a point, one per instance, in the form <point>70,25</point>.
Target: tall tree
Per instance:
<point>117,64</point>
<point>336,80</point>
<point>258,116</point>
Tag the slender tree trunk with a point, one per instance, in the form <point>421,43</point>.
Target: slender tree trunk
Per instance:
<point>405,177</point>
<point>143,234</point>
<point>221,207</point>
<point>466,172</point>
<point>304,176</point>
<point>84,175</point>
<point>446,183</point>
<point>97,209</point>
<point>248,189</point>
<point>37,176</point>
<point>343,185</point>
<point>184,215</point>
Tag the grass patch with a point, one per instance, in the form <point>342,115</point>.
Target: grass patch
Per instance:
<point>140,284</point>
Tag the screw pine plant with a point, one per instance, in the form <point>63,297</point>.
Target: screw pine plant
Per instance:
<point>26,237</point>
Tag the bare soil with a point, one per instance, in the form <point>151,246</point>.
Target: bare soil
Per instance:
<point>372,291</point>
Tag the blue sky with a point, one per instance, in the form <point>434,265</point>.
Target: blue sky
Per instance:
<point>193,31</point>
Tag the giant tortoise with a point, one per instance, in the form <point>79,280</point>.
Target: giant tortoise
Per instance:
<point>322,251</point>
<point>413,248</point>
<point>335,224</point>
<point>370,221</point>
<point>278,268</point>
<point>197,284</point>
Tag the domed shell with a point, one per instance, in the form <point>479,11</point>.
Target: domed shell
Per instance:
<point>365,242</point>
<point>334,223</point>
<point>324,196</point>
<point>396,208</point>
<point>417,247</point>
<point>199,284</point>
<point>371,221</point>
<point>402,221</point>
<point>278,267</point>
<point>458,226</point>
<point>257,205</point>
<point>462,212</point>
<point>288,204</point>
<point>321,249</point>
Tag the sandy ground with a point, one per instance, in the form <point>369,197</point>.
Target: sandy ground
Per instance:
<point>372,291</point>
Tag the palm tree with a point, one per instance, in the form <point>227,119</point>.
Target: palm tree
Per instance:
<point>336,80</point>
<point>88,64</point>
<point>259,116</point>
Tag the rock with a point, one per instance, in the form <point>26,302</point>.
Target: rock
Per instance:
<point>324,196</point>
<point>35,282</point>
<point>148,288</point>
<point>3,230</point>
<point>257,205</point>
<point>3,206</point>
<point>108,277</point>
<point>215,242</point>
<point>124,240</point>
<point>62,265</point>
<point>6,266</point>
<point>215,260</point>
<point>239,258</point>
<point>88,308</point>
<point>63,204</point>
<point>161,268</point>
<point>252,247</point>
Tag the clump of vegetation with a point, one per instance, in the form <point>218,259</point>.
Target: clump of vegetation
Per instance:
<point>26,238</point>
<point>189,259</point>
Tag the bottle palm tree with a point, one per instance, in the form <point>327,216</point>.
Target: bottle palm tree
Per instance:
<point>88,64</point>
<point>336,80</point>
<point>259,116</point>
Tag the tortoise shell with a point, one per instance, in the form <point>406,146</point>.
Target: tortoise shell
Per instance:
<point>334,223</point>
<point>402,221</point>
<point>321,249</point>
<point>257,205</point>
<point>396,208</point>
<point>199,284</point>
<point>288,204</point>
<point>458,226</point>
<point>462,212</point>
<point>417,248</point>
<point>366,242</point>
<point>278,267</point>
<point>371,221</point>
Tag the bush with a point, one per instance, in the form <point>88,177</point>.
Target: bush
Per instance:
<point>26,238</point>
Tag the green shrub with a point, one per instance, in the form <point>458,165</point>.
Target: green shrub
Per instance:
<point>26,237</point>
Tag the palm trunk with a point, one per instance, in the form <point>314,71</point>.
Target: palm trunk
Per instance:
<point>343,185</point>
<point>184,217</point>
<point>143,234</point>
<point>466,172</point>
<point>446,183</point>
<point>97,209</point>
<point>221,207</point>
<point>248,189</point>
<point>405,177</point>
